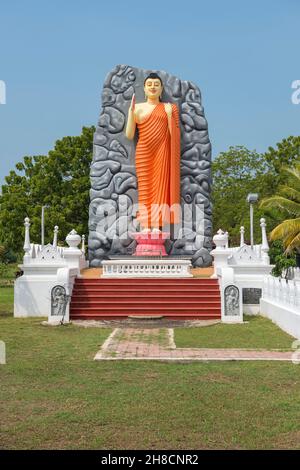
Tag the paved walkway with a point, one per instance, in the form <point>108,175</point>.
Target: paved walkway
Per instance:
<point>158,344</point>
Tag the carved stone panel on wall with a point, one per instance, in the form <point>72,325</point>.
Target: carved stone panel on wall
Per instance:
<point>113,177</point>
<point>232,298</point>
<point>251,295</point>
<point>59,301</point>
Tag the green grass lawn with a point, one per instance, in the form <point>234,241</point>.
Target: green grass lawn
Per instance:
<point>257,333</point>
<point>53,395</point>
<point>7,274</point>
<point>6,300</point>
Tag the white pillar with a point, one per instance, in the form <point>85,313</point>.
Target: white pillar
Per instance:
<point>55,236</point>
<point>221,252</point>
<point>73,254</point>
<point>264,242</point>
<point>242,239</point>
<point>27,239</point>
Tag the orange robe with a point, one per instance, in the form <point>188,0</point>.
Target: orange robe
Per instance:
<point>158,168</point>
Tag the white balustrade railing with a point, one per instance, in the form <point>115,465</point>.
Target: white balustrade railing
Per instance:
<point>282,291</point>
<point>296,274</point>
<point>146,268</point>
<point>291,273</point>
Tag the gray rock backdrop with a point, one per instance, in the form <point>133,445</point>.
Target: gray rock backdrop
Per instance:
<point>113,177</point>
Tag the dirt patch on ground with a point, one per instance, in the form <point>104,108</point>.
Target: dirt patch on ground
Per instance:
<point>289,440</point>
<point>130,323</point>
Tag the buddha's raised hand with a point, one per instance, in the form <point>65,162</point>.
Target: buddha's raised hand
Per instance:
<point>132,105</point>
<point>130,128</point>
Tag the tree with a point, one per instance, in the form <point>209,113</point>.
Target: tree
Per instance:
<point>286,154</point>
<point>236,173</point>
<point>287,202</point>
<point>282,262</point>
<point>59,180</point>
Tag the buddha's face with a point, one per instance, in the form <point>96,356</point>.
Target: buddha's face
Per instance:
<point>153,88</point>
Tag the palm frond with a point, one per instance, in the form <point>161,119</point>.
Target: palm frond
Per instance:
<point>288,239</point>
<point>293,244</point>
<point>281,203</point>
<point>287,228</point>
<point>290,192</point>
<point>293,172</point>
<point>288,201</point>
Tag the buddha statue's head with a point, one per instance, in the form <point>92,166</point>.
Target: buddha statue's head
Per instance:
<point>153,86</point>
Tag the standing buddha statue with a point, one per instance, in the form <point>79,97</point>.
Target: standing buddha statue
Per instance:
<point>157,156</point>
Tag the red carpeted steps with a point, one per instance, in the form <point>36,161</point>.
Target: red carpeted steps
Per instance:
<point>193,298</point>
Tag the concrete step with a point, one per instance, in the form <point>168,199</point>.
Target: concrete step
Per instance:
<point>156,303</point>
<point>143,296</point>
<point>121,314</point>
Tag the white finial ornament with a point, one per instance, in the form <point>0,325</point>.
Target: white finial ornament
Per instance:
<point>55,236</point>
<point>264,242</point>
<point>242,239</point>
<point>27,246</point>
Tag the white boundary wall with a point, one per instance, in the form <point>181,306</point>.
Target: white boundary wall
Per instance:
<point>281,303</point>
<point>286,318</point>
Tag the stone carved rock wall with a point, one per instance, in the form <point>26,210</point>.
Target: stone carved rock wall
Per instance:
<point>113,177</point>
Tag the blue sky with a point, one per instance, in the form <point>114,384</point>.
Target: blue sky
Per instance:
<point>55,55</point>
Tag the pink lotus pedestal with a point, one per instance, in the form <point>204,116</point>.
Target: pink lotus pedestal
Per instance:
<point>150,243</point>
